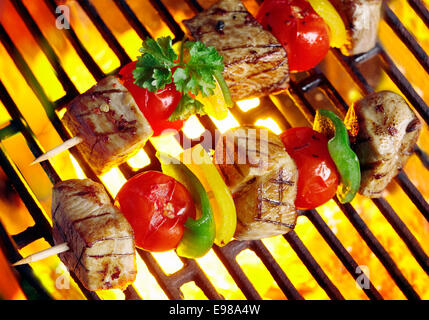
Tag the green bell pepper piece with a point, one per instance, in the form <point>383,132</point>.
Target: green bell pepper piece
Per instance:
<point>224,88</point>
<point>199,234</point>
<point>344,157</point>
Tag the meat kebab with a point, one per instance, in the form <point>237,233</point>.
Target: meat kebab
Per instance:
<point>108,125</point>
<point>262,178</point>
<point>361,18</point>
<point>388,131</point>
<point>100,239</point>
<point>255,62</point>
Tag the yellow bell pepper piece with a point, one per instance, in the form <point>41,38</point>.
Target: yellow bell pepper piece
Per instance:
<point>199,162</point>
<point>177,46</point>
<point>215,104</point>
<point>338,33</point>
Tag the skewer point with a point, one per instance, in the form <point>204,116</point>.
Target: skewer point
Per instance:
<point>43,254</point>
<point>58,149</point>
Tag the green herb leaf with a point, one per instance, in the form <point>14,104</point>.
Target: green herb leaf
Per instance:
<point>203,63</point>
<point>195,73</point>
<point>153,68</point>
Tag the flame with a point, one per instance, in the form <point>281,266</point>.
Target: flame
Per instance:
<point>193,128</point>
<point>78,169</point>
<point>113,180</point>
<point>169,261</point>
<point>16,217</point>
<point>269,123</point>
<point>249,104</point>
<point>140,160</point>
<point>227,123</point>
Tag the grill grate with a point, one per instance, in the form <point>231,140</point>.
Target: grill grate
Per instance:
<point>298,92</point>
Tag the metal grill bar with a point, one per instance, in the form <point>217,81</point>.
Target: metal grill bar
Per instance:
<point>378,250</point>
<point>132,18</point>
<point>86,58</point>
<point>68,85</point>
<point>312,265</point>
<point>191,271</point>
<point>25,271</point>
<point>406,37</point>
<point>22,126</point>
<point>43,228</point>
<point>405,234</point>
<point>341,252</point>
<point>168,19</point>
<point>279,276</point>
<point>228,256</point>
<point>108,36</point>
<point>421,10</point>
<point>47,105</point>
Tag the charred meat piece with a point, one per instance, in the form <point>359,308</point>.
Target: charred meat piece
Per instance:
<point>262,178</point>
<point>100,239</point>
<point>388,131</point>
<point>361,18</point>
<point>255,62</point>
<point>110,123</point>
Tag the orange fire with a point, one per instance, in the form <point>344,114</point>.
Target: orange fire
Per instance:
<point>18,219</point>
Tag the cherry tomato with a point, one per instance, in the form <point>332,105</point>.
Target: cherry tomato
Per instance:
<point>156,206</point>
<point>156,106</point>
<point>300,30</point>
<point>317,174</point>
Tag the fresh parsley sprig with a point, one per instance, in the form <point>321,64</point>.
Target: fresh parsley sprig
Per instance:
<point>196,74</point>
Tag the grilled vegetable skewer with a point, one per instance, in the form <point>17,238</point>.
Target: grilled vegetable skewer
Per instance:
<point>260,175</point>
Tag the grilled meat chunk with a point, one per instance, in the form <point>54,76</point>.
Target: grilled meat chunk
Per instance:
<point>388,131</point>
<point>110,123</point>
<point>361,18</point>
<point>262,178</point>
<point>255,62</point>
<point>100,239</point>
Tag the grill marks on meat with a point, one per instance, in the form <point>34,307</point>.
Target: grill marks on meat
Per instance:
<point>255,62</point>
<point>282,184</point>
<point>110,123</point>
<point>361,18</point>
<point>101,241</point>
<point>262,178</point>
<point>388,131</point>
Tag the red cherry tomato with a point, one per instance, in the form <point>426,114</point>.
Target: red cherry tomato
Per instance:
<point>156,206</point>
<point>300,30</point>
<point>156,106</point>
<point>317,174</point>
